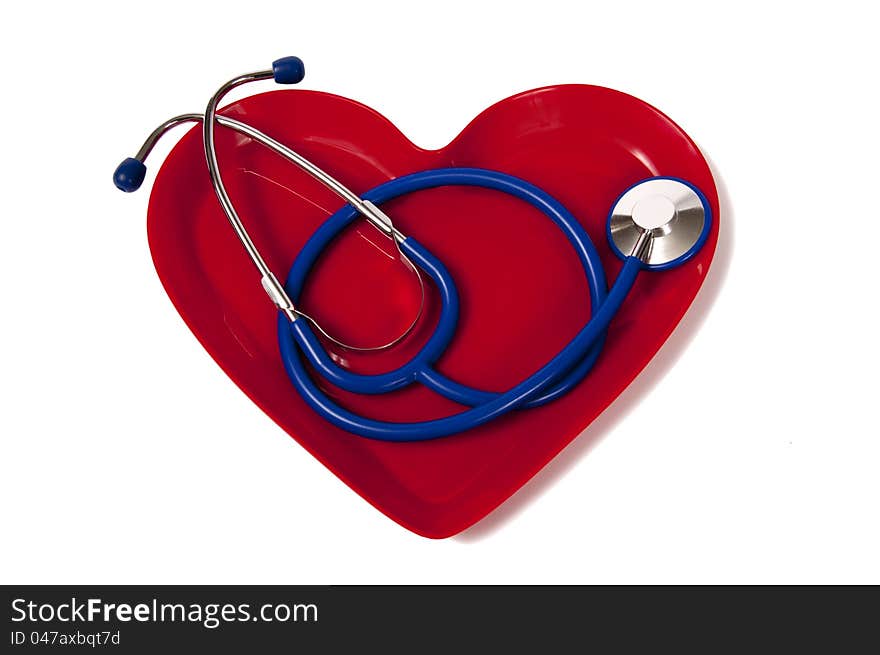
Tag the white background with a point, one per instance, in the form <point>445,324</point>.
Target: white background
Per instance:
<point>747,452</point>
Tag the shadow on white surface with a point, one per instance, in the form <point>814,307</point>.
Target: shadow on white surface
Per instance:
<point>656,369</point>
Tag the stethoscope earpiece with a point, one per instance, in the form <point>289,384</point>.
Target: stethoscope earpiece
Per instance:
<point>129,175</point>
<point>288,70</point>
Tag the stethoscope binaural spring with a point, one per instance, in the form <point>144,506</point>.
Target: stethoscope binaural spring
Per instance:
<point>656,224</point>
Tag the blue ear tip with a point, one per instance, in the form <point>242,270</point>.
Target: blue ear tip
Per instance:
<point>129,175</point>
<point>288,70</point>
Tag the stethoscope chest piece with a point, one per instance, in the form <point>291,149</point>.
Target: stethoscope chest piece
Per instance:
<point>674,212</point>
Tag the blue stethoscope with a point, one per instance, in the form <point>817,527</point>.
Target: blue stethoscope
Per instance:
<point>656,224</point>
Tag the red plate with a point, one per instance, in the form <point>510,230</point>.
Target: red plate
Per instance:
<point>523,293</point>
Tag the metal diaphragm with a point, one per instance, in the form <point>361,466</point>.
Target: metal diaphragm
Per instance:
<point>674,212</point>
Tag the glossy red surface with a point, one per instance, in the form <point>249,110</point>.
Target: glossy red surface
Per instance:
<point>522,290</point>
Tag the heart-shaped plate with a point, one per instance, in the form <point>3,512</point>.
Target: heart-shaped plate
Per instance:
<point>523,293</point>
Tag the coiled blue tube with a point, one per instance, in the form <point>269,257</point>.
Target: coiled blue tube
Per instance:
<point>557,377</point>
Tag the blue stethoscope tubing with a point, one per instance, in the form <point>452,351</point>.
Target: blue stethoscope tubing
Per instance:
<point>298,343</point>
